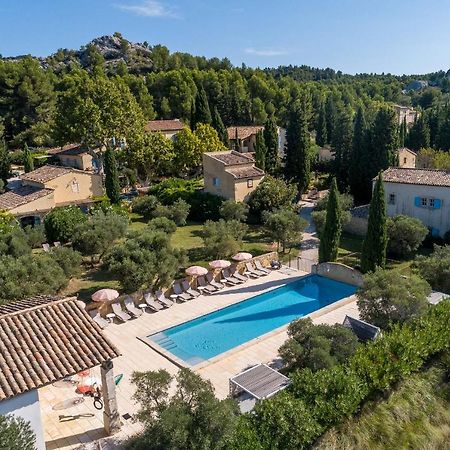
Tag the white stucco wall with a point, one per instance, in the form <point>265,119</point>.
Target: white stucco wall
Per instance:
<point>405,195</point>
<point>27,406</point>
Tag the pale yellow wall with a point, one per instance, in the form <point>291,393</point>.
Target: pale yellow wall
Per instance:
<point>81,162</point>
<point>89,185</point>
<point>404,204</point>
<point>40,204</point>
<point>406,159</point>
<point>242,191</point>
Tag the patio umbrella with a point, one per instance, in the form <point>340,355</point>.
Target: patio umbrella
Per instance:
<point>219,264</point>
<point>104,295</point>
<point>242,256</point>
<point>196,271</point>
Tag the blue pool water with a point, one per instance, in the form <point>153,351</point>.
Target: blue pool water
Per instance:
<point>215,333</point>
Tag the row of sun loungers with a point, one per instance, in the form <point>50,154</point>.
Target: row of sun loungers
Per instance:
<point>182,292</point>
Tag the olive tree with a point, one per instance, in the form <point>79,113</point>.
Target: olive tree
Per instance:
<point>405,235</point>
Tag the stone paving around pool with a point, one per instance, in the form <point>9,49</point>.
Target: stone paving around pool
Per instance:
<point>85,424</point>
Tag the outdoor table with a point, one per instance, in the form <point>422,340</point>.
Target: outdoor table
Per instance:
<point>143,306</point>
<point>110,317</point>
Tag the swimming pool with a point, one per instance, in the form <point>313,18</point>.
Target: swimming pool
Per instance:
<point>212,334</point>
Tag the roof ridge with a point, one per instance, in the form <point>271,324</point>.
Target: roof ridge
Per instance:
<point>31,308</point>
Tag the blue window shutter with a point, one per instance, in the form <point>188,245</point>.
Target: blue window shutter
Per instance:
<point>434,232</point>
<point>437,203</point>
<point>417,201</point>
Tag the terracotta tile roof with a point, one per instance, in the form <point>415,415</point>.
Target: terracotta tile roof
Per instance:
<point>21,196</point>
<point>243,132</point>
<point>26,303</point>
<point>165,125</point>
<point>46,343</point>
<point>70,149</point>
<point>406,149</point>
<point>232,158</point>
<point>46,173</point>
<point>246,172</point>
<point>427,177</point>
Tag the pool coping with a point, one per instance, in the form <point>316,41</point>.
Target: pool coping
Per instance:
<point>182,364</point>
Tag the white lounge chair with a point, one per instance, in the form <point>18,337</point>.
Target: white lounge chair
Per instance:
<point>151,302</point>
<point>101,322</point>
<point>163,299</point>
<point>210,279</point>
<point>229,279</point>
<point>46,248</point>
<point>120,314</point>
<point>239,276</point>
<point>57,244</point>
<point>131,307</point>
<point>187,288</point>
<point>252,271</point>
<point>183,296</point>
<point>208,288</point>
<point>260,267</point>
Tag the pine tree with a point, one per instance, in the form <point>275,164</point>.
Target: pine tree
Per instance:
<point>331,235</point>
<point>402,134</point>
<point>28,161</point>
<point>321,132</point>
<point>5,163</point>
<point>298,143</point>
<point>419,135</point>
<point>359,177</point>
<point>330,115</point>
<point>271,142</point>
<point>342,146</point>
<point>218,125</point>
<point>202,113</point>
<point>260,151</point>
<point>375,242</point>
<point>111,177</point>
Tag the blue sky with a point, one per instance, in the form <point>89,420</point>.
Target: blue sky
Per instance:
<point>394,36</point>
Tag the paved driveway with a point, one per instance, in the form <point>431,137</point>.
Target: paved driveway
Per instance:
<point>310,243</point>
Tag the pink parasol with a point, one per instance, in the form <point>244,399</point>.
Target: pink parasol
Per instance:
<point>196,271</point>
<point>242,256</point>
<point>219,264</point>
<point>104,295</point>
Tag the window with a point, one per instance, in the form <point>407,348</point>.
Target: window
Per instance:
<point>423,201</point>
<point>431,202</point>
<point>392,199</point>
<point>216,182</point>
<point>250,183</point>
<point>404,160</point>
<point>75,186</point>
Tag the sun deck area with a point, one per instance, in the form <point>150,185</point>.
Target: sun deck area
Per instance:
<point>82,423</point>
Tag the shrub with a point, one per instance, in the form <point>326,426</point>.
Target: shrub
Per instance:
<point>14,243</point>
<point>345,200</point>
<point>319,218</point>
<point>405,235</point>
<point>60,223</point>
<point>144,206</point>
<point>436,268</point>
<point>231,210</point>
<point>317,346</point>
<point>204,206</point>
<point>163,224</point>
<point>16,434</point>
<point>35,236</point>
<point>177,212</point>
<point>68,259</point>
<point>170,190</point>
<point>387,297</point>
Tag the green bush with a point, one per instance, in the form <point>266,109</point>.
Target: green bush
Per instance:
<point>177,212</point>
<point>145,206</point>
<point>170,190</point>
<point>14,243</point>
<point>405,235</point>
<point>204,206</point>
<point>345,200</point>
<point>163,224</point>
<point>231,210</point>
<point>16,433</point>
<point>69,260</point>
<point>35,236</point>
<point>436,268</point>
<point>60,223</point>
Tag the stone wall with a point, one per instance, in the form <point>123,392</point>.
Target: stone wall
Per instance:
<point>357,226</point>
<point>339,272</point>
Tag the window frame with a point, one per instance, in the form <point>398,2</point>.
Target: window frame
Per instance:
<point>250,183</point>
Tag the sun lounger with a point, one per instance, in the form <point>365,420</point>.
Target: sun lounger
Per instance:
<point>120,314</point>
<point>163,299</point>
<point>229,279</point>
<point>252,271</point>
<point>46,248</point>
<point>57,244</point>
<point>260,267</point>
<point>151,302</point>
<point>103,323</point>
<point>189,290</point>
<point>203,286</point>
<point>183,296</point>
<point>239,276</point>
<point>131,307</point>
<point>210,279</point>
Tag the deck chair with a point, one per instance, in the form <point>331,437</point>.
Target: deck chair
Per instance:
<point>187,288</point>
<point>120,314</point>
<point>210,279</point>
<point>183,296</point>
<point>151,302</point>
<point>100,321</point>
<point>250,270</point>
<point>208,288</point>
<point>46,248</point>
<point>239,276</point>
<point>260,267</point>
<point>131,307</point>
<point>229,279</point>
<point>57,244</point>
<point>163,299</point>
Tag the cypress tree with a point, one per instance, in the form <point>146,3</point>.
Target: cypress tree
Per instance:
<point>419,135</point>
<point>375,242</point>
<point>218,125</point>
<point>342,146</point>
<point>5,163</point>
<point>202,113</point>
<point>260,151</point>
<point>271,143</point>
<point>331,235</point>
<point>330,115</point>
<point>321,132</point>
<point>28,161</point>
<point>111,177</point>
<point>402,134</point>
<point>298,143</point>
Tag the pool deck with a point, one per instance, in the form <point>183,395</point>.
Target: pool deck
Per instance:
<point>138,356</point>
